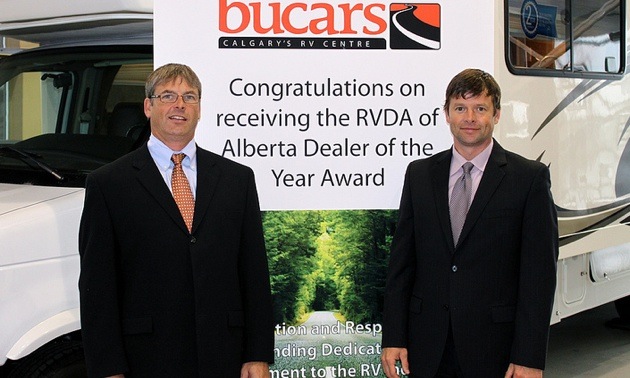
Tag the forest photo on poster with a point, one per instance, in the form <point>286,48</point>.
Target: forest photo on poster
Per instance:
<point>328,276</point>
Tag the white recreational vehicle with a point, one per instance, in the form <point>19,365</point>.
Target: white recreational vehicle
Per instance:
<point>73,103</point>
<point>566,102</point>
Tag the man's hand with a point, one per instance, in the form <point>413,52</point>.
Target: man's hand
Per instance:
<point>389,356</point>
<point>255,370</point>
<point>518,371</point>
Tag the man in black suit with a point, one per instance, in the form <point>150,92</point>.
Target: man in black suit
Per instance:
<point>166,293</point>
<point>472,300</point>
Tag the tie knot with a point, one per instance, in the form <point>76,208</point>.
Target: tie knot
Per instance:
<point>177,158</point>
<point>468,166</point>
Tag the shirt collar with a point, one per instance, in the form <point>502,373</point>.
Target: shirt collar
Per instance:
<point>478,161</point>
<point>162,153</point>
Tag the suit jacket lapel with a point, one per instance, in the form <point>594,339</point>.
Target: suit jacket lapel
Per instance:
<point>207,180</point>
<point>439,176</point>
<point>492,176</point>
<point>150,178</point>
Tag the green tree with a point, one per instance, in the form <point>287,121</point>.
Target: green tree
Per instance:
<point>290,239</point>
<point>362,239</point>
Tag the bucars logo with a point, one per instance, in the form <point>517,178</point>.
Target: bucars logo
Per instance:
<point>301,18</point>
<point>357,25</point>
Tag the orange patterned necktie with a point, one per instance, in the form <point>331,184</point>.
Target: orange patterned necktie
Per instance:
<point>181,191</point>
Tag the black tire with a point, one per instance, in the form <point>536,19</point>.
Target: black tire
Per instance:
<point>59,359</point>
<point>623,308</point>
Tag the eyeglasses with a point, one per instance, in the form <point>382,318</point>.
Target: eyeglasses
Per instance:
<point>170,98</point>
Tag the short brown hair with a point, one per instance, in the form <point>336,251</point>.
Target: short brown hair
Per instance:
<point>168,73</point>
<point>473,82</point>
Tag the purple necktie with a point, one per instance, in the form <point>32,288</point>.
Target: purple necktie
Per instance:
<point>460,201</point>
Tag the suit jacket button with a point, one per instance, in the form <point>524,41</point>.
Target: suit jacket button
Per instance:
<point>454,268</point>
<point>445,307</point>
<point>193,240</point>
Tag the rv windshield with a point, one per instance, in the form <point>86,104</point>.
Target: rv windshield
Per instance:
<point>64,113</point>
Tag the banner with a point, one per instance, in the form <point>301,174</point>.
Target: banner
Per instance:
<point>327,102</point>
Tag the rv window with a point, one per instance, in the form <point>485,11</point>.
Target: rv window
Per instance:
<point>128,85</point>
<point>125,102</point>
<point>70,112</point>
<point>565,36</point>
<point>32,103</point>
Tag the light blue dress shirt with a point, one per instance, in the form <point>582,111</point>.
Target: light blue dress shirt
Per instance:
<point>161,155</point>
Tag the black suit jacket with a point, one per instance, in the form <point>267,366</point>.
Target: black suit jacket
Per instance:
<point>158,301</point>
<point>495,288</point>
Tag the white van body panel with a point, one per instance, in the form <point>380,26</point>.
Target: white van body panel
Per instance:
<point>77,21</point>
<point>39,283</point>
<point>26,10</point>
<point>51,328</point>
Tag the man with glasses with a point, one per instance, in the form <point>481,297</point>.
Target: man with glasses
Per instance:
<point>174,278</point>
